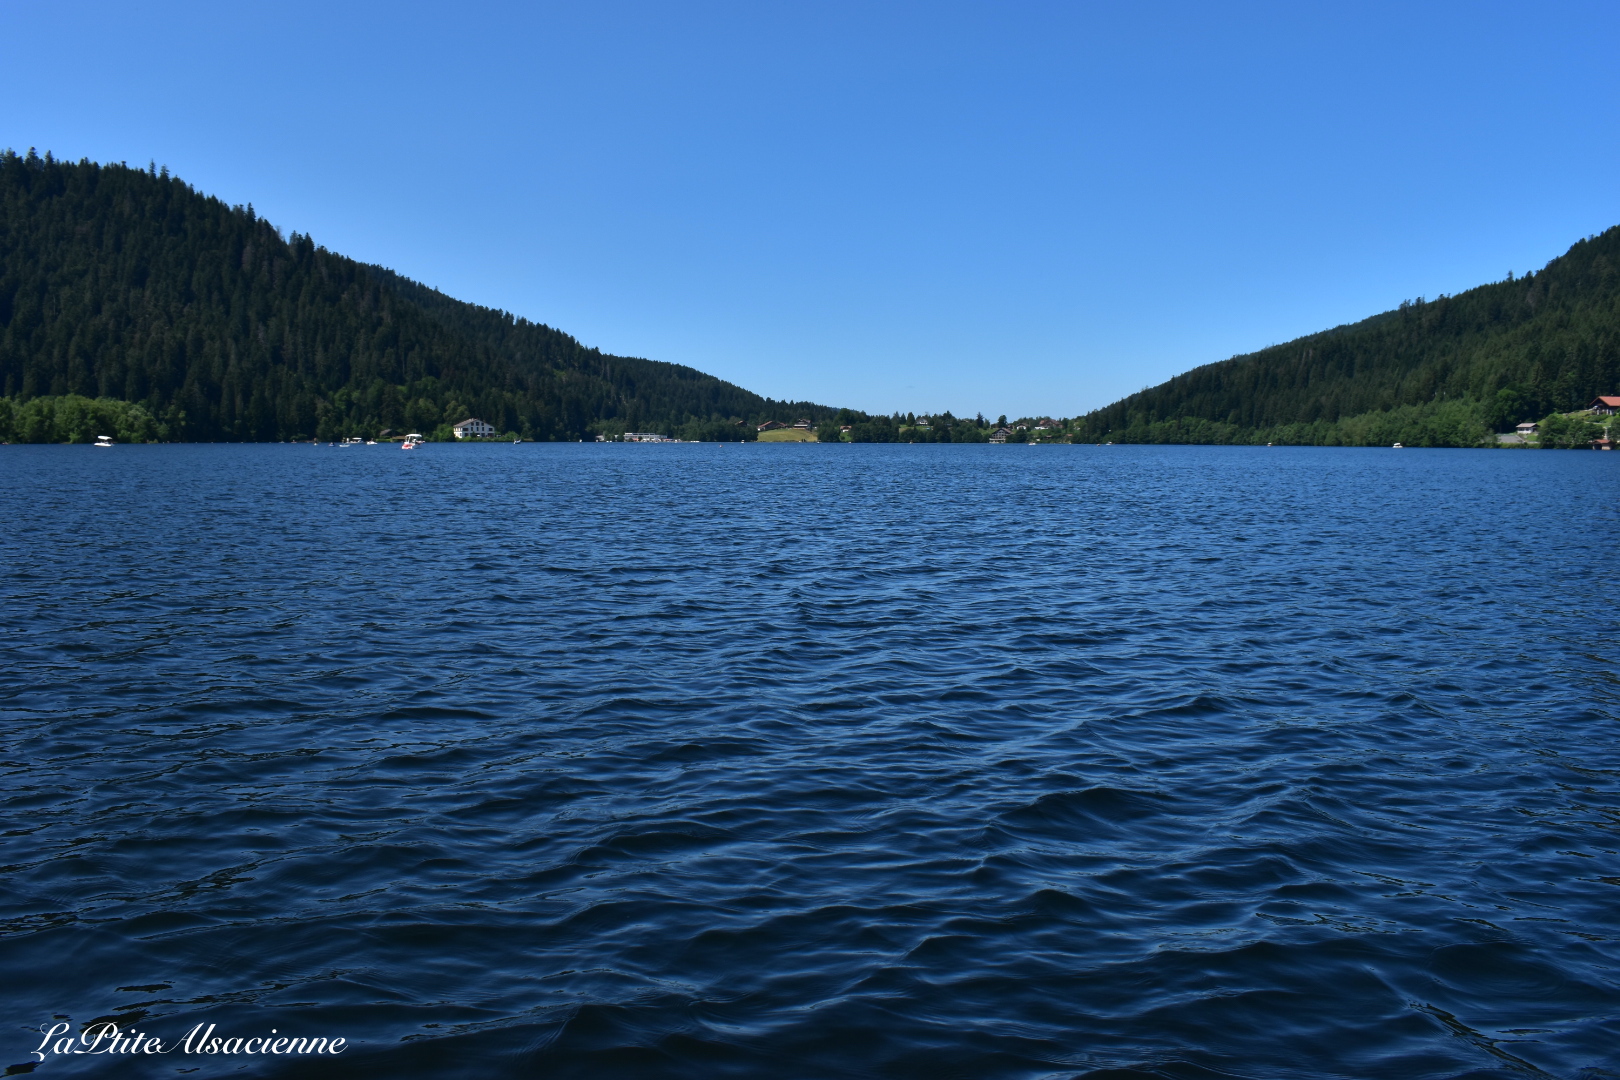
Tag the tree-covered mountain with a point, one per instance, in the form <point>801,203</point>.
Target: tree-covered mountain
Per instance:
<point>128,286</point>
<point>130,303</point>
<point>1444,372</point>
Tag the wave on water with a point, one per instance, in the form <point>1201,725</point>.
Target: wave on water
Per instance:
<point>811,762</point>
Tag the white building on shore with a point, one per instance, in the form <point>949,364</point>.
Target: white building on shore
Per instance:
<point>473,429</point>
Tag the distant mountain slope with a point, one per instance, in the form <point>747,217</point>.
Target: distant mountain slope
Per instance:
<point>1444,372</point>
<point>127,284</point>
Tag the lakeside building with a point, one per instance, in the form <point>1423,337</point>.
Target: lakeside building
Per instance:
<point>1525,430</point>
<point>646,436</point>
<point>473,429</point>
<point>1605,404</point>
<point>771,425</point>
<point>803,425</point>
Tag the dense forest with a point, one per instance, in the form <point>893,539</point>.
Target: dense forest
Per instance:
<point>1444,372</point>
<point>132,304</point>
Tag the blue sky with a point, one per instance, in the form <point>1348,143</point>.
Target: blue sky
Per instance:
<point>1007,207</point>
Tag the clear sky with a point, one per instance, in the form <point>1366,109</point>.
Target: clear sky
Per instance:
<point>1012,207</point>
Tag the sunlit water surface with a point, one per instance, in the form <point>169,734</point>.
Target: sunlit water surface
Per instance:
<point>801,761</point>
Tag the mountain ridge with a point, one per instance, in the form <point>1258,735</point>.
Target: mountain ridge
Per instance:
<point>128,284</point>
<point>1447,372</point>
<point>188,319</point>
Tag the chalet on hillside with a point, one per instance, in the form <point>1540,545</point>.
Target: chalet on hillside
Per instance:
<point>1605,404</point>
<point>1527,429</point>
<point>771,425</point>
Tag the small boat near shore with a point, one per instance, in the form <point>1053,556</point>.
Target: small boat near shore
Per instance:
<point>104,441</point>
<point>411,442</point>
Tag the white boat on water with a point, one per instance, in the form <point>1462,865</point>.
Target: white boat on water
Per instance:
<point>1397,446</point>
<point>104,441</point>
<point>411,442</point>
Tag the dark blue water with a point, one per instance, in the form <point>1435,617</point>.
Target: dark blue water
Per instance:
<point>807,762</point>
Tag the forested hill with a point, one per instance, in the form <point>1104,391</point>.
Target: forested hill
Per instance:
<point>1444,372</point>
<point>127,284</point>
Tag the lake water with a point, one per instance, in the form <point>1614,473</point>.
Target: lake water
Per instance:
<point>799,761</point>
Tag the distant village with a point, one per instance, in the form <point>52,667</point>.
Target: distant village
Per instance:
<point>913,428</point>
<point>1589,427</point>
<point>1593,426</point>
<point>907,428</point>
<point>846,426</point>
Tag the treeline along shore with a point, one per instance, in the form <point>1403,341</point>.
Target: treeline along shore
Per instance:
<point>133,306</point>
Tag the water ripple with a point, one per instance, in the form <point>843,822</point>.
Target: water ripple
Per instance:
<point>800,761</point>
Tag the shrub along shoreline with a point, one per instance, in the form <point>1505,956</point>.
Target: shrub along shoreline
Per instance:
<point>70,418</point>
<point>75,419</point>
